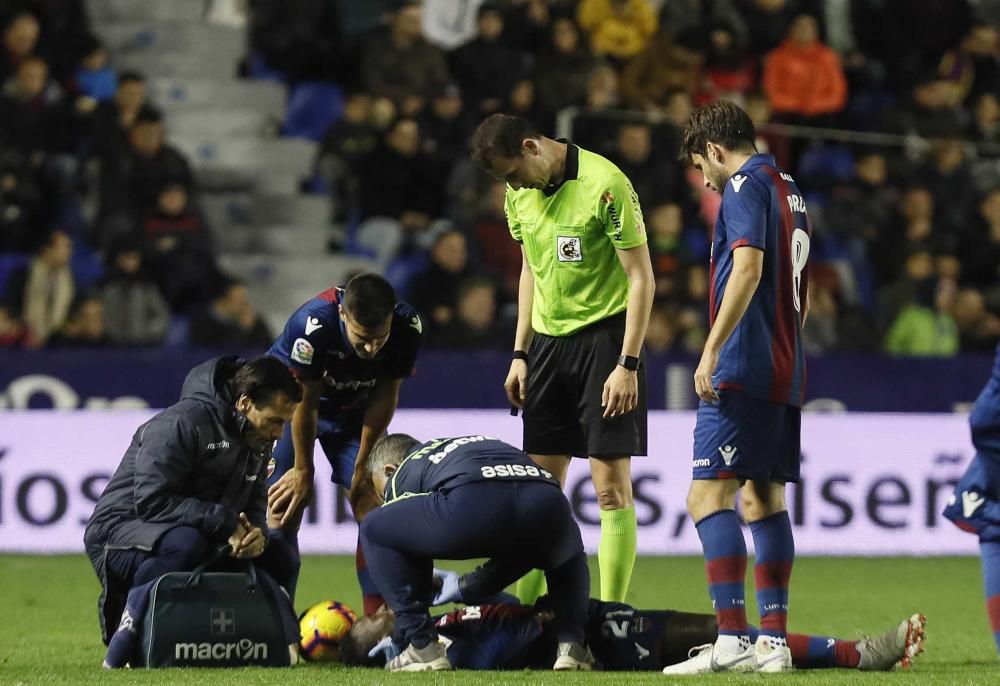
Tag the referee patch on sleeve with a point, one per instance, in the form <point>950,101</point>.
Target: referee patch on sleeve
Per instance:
<point>569,249</point>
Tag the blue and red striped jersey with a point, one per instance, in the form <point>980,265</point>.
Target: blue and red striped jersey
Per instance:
<point>985,416</point>
<point>314,345</point>
<point>621,637</point>
<point>762,208</point>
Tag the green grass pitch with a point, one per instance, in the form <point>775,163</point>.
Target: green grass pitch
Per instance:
<point>48,623</point>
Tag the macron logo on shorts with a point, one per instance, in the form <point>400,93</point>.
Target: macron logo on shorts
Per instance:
<point>728,453</point>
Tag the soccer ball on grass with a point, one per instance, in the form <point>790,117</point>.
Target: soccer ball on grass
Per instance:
<point>321,629</point>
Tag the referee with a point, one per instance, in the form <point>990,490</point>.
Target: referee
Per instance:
<point>585,292</point>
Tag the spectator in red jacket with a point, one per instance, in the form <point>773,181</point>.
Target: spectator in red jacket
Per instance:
<point>803,78</point>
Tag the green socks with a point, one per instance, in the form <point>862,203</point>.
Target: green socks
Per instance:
<point>530,587</point>
<point>615,553</point>
<point>615,557</point>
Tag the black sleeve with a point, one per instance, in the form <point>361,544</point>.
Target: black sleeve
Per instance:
<point>164,462</point>
<point>257,505</point>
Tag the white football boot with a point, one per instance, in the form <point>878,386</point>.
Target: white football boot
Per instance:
<point>899,645</point>
<point>431,658</point>
<point>716,657</point>
<point>772,655</point>
<point>573,657</point>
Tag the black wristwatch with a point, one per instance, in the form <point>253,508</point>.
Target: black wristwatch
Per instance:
<point>629,362</point>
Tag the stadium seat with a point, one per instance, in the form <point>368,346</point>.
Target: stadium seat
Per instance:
<point>300,239</point>
<point>865,108</point>
<point>826,163</point>
<point>160,37</point>
<point>312,108</point>
<point>226,209</point>
<point>269,208</point>
<point>378,238</point>
<point>219,122</point>
<point>401,271</point>
<point>103,11</point>
<point>258,68</point>
<point>210,63</point>
<point>247,163</point>
<point>177,332</point>
<point>178,94</point>
<point>247,153</point>
<point>86,264</point>
<point>278,284</point>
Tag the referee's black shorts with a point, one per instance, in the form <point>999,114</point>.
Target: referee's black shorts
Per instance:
<point>562,410</point>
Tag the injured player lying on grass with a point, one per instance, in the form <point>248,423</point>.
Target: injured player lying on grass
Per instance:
<point>621,638</point>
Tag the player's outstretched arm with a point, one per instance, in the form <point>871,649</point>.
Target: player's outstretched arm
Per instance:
<point>363,498</point>
<point>291,491</point>
<point>378,415</point>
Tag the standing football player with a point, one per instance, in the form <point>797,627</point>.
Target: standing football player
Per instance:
<point>351,348</point>
<point>751,381</point>
<point>975,504</point>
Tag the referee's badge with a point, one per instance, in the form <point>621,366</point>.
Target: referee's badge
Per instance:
<point>569,249</point>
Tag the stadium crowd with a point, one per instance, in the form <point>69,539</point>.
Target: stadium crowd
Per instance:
<point>905,213</point>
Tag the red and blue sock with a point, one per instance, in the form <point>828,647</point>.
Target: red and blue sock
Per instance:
<point>818,652</point>
<point>822,651</point>
<point>775,552</point>
<point>370,595</point>
<point>726,567</point>
<point>991,582</point>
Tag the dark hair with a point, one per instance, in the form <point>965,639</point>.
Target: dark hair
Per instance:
<point>130,75</point>
<point>261,379</point>
<point>472,283</point>
<point>89,43</point>
<point>355,654</point>
<point>369,299</point>
<point>720,122</point>
<point>391,449</point>
<point>927,77</point>
<point>500,135</point>
<point>172,182</point>
<point>122,244</point>
<point>76,307</point>
<point>219,285</point>
<point>148,114</point>
<point>19,15</point>
<point>489,6</point>
<point>48,238</point>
